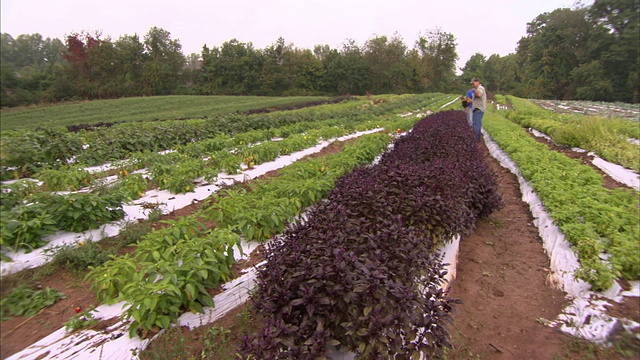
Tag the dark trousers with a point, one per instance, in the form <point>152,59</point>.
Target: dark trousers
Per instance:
<point>477,122</point>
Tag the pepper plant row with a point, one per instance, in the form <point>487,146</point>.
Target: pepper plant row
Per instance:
<point>172,268</point>
<point>23,224</point>
<point>362,270</point>
<point>595,220</point>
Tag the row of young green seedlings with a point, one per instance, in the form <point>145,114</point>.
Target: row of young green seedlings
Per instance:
<point>174,267</point>
<point>594,219</point>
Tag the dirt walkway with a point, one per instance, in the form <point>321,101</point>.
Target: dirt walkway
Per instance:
<point>501,279</point>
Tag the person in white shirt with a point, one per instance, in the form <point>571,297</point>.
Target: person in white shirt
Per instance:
<point>478,106</point>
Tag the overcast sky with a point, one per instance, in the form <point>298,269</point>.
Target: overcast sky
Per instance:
<point>487,27</point>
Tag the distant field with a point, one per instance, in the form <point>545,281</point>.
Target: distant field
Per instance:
<point>138,109</point>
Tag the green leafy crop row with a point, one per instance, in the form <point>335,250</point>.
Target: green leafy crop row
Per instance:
<point>25,224</point>
<point>26,152</point>
<point>605,137</point>
<point>595,220</point>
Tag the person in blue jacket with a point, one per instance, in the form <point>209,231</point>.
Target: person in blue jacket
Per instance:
<point>469,108</point>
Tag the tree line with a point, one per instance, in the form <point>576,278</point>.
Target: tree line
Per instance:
<point>585,53</point>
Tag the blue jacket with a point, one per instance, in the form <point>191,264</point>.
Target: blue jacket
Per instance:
<point>470,95</point>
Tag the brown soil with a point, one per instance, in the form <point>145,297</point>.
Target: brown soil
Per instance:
<point>501,280</point>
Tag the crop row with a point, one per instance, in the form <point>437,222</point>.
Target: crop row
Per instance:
<point>598,222</point>
<point>606,137</point>
<point>29,212</point>
<point>188,162</point>
<point>173,267</point>
<point>26,152</point>
<point>362,271</point>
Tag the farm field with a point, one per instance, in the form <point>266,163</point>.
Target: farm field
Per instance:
<point>140,109</point>
<point>607,110</point>
<point>472,336</point>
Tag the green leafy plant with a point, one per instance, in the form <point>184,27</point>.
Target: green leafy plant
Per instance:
<point>27,301</point>
<point>66,178</point>
<point>225,161</point>
<point>131,186</point>
<point>80,212</point>
<point>81,320</point>
<point>133,231</point>
<point>24,226</point>
<point>16,193</point>
<point>170,272</point>
<point>214,343</point>
<point>177,279</point>
<point>258,154</point>
<point>80,257</point>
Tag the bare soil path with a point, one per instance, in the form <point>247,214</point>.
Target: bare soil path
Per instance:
<point>501,280</point>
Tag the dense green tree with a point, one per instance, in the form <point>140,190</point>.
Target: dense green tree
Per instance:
<point>190,75</point>
<point>130,60</point>
<point>620,56</point>
<point>61,84</point>
<point>349,71</point>
<point>387,63</point>
<point>27,64</point>
<point>232,69</point>
<point>164,63</point>
<point>438,50</point>
<point>502,75</point>
<point>475,68</point>
<point>9,84</point>
<point>274,80</point>
<point>308,72</point>
<point>591,82</point>
<point>553,47</point>
<point>417,82</point>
